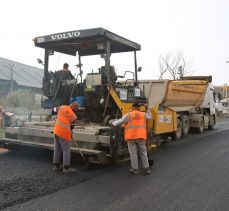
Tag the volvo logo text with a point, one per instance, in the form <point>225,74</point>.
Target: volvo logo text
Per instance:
<point>65,35</point>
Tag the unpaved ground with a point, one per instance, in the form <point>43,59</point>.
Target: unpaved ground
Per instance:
<point>26,173</point>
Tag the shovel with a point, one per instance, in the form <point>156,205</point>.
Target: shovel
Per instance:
<point>152,148</point>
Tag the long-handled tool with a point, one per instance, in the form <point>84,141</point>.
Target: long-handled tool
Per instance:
<point>150,160</point>
<point>81,154</point>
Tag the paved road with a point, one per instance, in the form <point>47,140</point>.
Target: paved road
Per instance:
<point>191,174</point>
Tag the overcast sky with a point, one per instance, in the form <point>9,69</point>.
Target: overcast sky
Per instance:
<point>198,28</point>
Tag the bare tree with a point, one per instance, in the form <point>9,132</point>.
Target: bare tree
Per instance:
<point>163,67</point>
<point>176,66</point>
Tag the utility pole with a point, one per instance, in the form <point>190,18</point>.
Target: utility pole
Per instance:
<point>225,87</point>
<point>225,92</point>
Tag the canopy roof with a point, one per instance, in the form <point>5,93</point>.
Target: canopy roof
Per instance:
<point>86,42</point>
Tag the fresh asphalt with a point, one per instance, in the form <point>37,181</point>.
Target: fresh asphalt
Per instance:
<point>189,174</point>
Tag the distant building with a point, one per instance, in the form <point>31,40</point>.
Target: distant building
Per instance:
<point>15,76</point>
<point>223,90</point>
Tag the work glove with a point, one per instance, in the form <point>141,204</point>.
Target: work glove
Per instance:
<point>48,117</point>
<point>110,122</point>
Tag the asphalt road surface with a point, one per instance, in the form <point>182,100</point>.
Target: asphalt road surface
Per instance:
<point>189,174</point>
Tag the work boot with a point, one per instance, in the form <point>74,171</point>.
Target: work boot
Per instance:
<point>68,169</point>
<point>133,171</point>
<point>57,167</point>
<point>147,170</point>
<point>151,162</point>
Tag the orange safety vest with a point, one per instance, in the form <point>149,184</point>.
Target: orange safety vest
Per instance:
<point>135,128</point>
<point>64,119</point>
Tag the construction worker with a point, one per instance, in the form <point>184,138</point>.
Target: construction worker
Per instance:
<point>64,124</point>
<point>64,74</point>
<point>135,135</point>
<point>66,70</point>
<point>2,113</point>
<point>65,67</point>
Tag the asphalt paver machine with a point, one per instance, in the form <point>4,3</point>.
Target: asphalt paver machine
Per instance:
<point>100,95</point>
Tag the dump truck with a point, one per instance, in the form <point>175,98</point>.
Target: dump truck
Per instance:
<point>193,98</point>
<point>100,95</point>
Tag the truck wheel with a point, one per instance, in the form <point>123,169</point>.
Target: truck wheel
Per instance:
<point>185,125</point>
<point>177,134</point>
<point>201,127</point>
<point>211,122</point>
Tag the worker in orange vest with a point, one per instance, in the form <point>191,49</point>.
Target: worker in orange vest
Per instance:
<point>64,124</point>
<point>136,135</point>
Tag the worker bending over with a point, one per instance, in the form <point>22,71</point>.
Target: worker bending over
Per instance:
<point>64,124</point>
<point>136,136</point>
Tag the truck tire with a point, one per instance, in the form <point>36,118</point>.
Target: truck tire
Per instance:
<point>201,126</point>
<point>177,134</point>
<point>211,122</point>
<point>185,125</point>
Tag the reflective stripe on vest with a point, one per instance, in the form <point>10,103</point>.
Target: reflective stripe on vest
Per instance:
<point>62,124</point>
<point>140,126</point>
<point>62,127</point>
<point>136,126</point>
